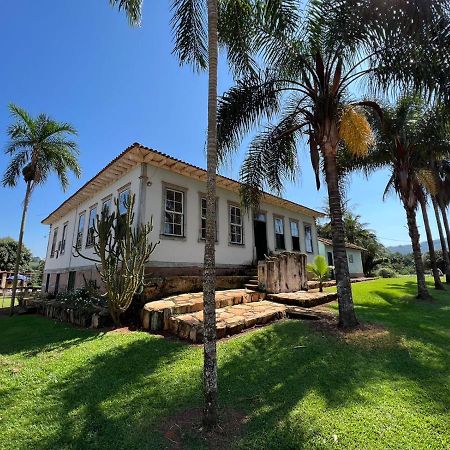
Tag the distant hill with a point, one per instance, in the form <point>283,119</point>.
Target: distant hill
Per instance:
<point>406,249</point>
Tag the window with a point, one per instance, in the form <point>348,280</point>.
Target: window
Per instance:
<point>350,258</point>
<point>236,228</point>
<point>63,239</point>
<point>55,237</point>
<point>295,236</point>
<point>123,201</point>
<point>80,230</point>
<point>308,239</point>
<point>71,282</point>
<point>174,213</point>
<point>106,206</point>
<point>203,218</point>
<point>90,232</point>
<point>279,233</point>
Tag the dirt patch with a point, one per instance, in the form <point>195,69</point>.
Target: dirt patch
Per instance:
<point>121,330</point>
<point>366,334</point>
<point>186,428</point>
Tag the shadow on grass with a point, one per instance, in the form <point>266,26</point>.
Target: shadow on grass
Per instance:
<point>272,372</point>
<point>119,397</point>
<point>33,334</point>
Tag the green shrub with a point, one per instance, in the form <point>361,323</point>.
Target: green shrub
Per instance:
<point>386,272</point>
<point>81,298</point>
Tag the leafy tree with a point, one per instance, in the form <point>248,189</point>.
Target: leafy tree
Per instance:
<point>38,273</point>
<point>38,147</point>
<point>8,253</point>
<point>320,270</point>
<point>304,82</point>
<point>122,250</point>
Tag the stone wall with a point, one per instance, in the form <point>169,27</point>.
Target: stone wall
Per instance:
<point>285,272</point>
<point>83,317</point>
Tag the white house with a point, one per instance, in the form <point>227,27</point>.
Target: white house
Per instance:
<point>172,193</point>
<point>354,256</point>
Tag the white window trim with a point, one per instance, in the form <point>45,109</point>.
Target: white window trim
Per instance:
<point>305,225</point>
<point>53,248</point>
<point>183,190</point>
<point>241,225</point>
<point>79,235</point>
<point>88,242</point>
<point>275,217</point>
<point>64,238</point>
<point>126,188</point>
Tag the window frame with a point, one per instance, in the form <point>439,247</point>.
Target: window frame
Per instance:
<point>90,240</point>
<point>53,249</point>
<point>122,190</point>
<point>178,189</point>
<point>106,200</point>
<point>234,224</point>
<point>62,246</point>
<point>305,226</point>
<point>275,218</point>
<point>296,222</point>
<point>79,236</point>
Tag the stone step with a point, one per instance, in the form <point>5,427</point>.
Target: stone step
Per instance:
<point>251,286</point>
<point>303,298</point>
<point>155,315</point>
<point>229,320</point>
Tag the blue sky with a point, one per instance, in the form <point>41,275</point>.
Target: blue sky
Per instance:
<point>80,62</point>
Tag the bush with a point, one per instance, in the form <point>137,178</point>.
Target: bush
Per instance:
<point>386,272</point>
<point>81,298</point>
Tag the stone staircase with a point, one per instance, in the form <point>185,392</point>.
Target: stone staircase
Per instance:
<point>236,310</point>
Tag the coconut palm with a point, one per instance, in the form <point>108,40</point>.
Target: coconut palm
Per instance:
<point>199,27</point>
<point>303,86</point>
<point>38,147</point>
<point>409,130</point>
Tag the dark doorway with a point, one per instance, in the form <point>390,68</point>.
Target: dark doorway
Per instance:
<point>71,282</point>
<point>330,259</point>
<point>57,284</point>
<point>260,231</point>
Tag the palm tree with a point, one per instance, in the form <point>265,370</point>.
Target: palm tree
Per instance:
<point>197,34</point>
<point>409,130</point>
<point>39,147</point>
<point>431,250</point>
<point>304,82</point>
<point>320,270</point>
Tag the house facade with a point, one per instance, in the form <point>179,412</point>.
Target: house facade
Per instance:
<point>171,193</point>
<point>354,256</point>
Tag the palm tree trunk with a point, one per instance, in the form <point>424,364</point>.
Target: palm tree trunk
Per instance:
<point>19,246</point>
<point>434,268</point>
<point>210,410</point>
<point>443,243</point>
<point>347,316</point>
<point>446,224</point>
<point>422,291</point>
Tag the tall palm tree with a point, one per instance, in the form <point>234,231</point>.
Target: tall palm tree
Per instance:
<point>304,82</point>
<point>409,130</point>
<point>431,250</point>
<point>39,147</point>
<point>199,27</point>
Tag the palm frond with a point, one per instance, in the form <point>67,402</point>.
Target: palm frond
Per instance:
<point>189,27</point>
<point>132,8</point>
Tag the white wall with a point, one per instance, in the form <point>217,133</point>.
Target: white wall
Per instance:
<point>355,267</point>
<point>188,250</point>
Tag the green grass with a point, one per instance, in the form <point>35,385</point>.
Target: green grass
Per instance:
<point>62,387</point>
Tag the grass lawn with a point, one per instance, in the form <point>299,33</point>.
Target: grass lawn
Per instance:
<point>62,387</point>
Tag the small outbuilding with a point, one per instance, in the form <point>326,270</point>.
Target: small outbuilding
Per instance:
<point>354,256</point>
